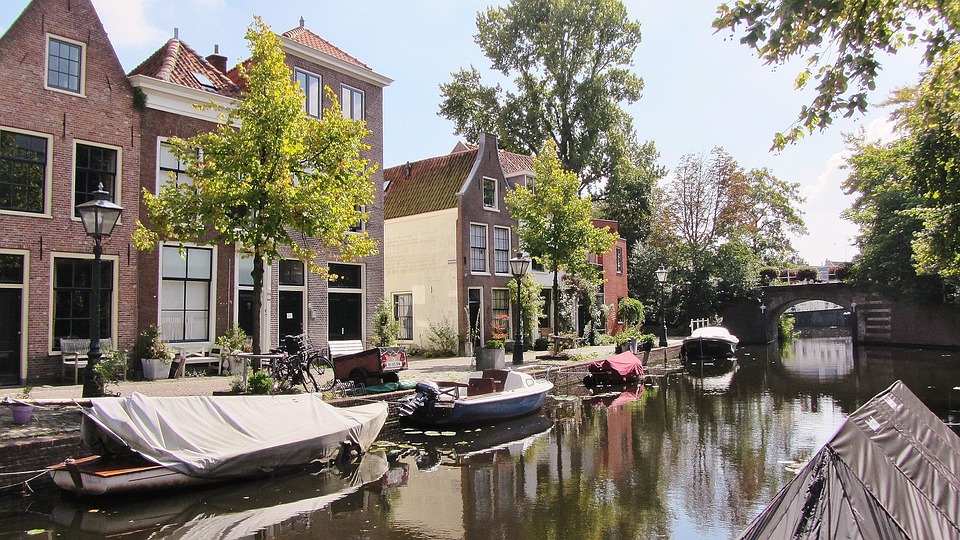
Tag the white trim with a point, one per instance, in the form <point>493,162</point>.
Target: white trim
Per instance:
<point>342,290</point>
<point>24,287</point>
<point>509,250</point>
<point>48,175</point>
<point>212,293</point>
<point>114,300</point>
<point>394,296</point>
<point>320,91</point>
<point>487,250</point>
<point>480,329</point>
<point>117,183</point>
<point>496,194</point>
<point>299,50</point>
<point>363,107</point>
<point>182,100</point>
<point>83,65</point>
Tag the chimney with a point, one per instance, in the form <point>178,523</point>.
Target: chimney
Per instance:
<point>217,60</point>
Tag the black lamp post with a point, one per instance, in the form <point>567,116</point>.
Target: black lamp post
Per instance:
<point>518,267</point>
<point>662,274</point>
<point>99,217</point>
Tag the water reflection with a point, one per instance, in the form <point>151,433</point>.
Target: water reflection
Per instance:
<point>690,456</point>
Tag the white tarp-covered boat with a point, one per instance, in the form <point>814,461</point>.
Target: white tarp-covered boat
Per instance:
<point>891,472</point>
<point>709,342</point>
<point>201,438</point>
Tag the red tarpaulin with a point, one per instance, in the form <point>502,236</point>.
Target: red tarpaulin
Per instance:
<point>625,364</point>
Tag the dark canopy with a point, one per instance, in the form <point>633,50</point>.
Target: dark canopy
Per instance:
<point>890,471</point>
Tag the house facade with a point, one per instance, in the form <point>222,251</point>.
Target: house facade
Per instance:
<point>71,119</point>
<point>448,239</point>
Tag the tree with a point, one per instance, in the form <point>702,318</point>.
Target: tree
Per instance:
<point>626,198</point>
<point>267,176</point>
<point>531,303</point>
<point>570,59</point>
<point>554,221</point>
<point>841,40</point>
<point>771,214</point>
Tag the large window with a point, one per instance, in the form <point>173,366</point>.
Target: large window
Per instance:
<point>245,311</point>
<point>478,248</point>
<point>23,171</point>
<point>95,165</point>
<point>171,168</point>
<point>403,312</point>
<point>501,250</point>
<point>489,193</point>
<point>351,102</point>
<point>72,279</point>
<point>501,306</point>
<point>185,293</point>
<point>312,92</point>
<point>65,65</point>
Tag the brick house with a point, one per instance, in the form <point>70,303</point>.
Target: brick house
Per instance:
<point>448,237</point>
<point>70,118</point>
<point>67,123</point>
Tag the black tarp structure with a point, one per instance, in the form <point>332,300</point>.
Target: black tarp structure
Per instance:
<point>890,472</point>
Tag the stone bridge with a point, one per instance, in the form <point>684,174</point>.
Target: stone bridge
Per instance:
<point>872,318</point>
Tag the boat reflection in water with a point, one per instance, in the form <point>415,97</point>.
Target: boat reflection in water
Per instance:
<point>510,437</point>
<point>236,510</point>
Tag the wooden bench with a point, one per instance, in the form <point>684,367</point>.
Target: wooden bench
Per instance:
<point>197,353</point>
<point>74,354</point>
<point>340,348</point>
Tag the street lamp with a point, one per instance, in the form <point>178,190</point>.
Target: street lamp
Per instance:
<point>662,274</point>
<point>99,217</point>
<point>518,267</point>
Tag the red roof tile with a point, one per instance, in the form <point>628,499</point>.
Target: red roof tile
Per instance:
<point>427,185</point>
<point>305,37</point>
<point>177,63</point>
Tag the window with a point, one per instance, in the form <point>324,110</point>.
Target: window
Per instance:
<point>501,305</point>
<point>351,102</point>
<point>171,168</point>
<point>362,224</point>
<point>291,272</point>
<point>23,171</point>
<point>619,260</point>
<point>312,92</point>
<point>501,250</point>
<point>403,312</point>
<point>528,181</point>
<point>185,293</point>
<point>95,165</point>
<point>489,193</point>
<point>478,248</point>
<point>346,276</point>
<point>65,65</point>
<point>72,279</point>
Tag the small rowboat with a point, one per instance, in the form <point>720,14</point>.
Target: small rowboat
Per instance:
<point>489,395</point>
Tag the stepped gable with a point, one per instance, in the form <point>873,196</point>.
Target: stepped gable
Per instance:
<point>307,38</point>
<point>177,63</point>
<point>427,185</point>
<point>510,162</point>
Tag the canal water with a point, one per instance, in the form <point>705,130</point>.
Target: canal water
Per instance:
<point>689,456</point>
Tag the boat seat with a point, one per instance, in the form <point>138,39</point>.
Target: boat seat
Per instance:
<point>477,386</point>
<point>499,377</point>
<point>449,391</point>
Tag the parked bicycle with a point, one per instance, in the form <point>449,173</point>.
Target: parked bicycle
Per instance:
<point>302,365</point>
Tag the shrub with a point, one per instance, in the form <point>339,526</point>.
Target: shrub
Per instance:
<point>768,275</point>
<point>443,339</point>
<point>807,273</point>
<point>785,328</point>
<point>631,311</point>
<point>385,326</point>
<point>498,333</point>
<point>112,366</point>
<point>233,339</point>
<point>259,382</point>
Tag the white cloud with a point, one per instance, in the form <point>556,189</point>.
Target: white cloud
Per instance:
<point>126,23</point>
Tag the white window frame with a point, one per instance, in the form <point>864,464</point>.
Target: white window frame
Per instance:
<point>347,107</point>
<point>83,66</point>
<point>396,315</point>
<point>360,227</point>
<point>486,250</point>
<point>306,96</point>
<point>341,290</point>
<point>496,251</point>
<point>162,173</point>
<point>115,195</point>
<point>494,207</point>
<point>493,312</point>
<point>211,294</point>
<point>619,264</point>
<point>47,175</point>
<point>114,297</point>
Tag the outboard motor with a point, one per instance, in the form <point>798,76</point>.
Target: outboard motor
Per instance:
<point>425,396</point>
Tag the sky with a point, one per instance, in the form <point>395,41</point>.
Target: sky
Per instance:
<point>701,89</point>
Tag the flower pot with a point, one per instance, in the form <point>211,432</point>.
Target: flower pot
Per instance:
<point>236,364</point>
<point>155,368</point>
<point>22,413</point>
<point>491,358</point>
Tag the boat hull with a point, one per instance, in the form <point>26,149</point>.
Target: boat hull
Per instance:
<point>472,412</point>
<point>705,348</point>
<point>97,476</point>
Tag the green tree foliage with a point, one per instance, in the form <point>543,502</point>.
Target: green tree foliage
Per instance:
<point>385,326</point>
<point>531,303</point>
<point>569,60</point>
<point>268,176</point>
<point>841,42</point>
<point>626,198</point>
<point>771,215</point>
<point>554,221</point>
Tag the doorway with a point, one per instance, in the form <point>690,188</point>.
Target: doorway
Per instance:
<point>291,314</point>
<point>10,317</point>
<point>346,316</point>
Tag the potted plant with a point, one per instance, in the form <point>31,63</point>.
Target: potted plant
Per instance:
<point>492,355</point>
<point>22,412</point>
<point>111,367</point>
<point>232,342</point>
<point>155,355</point>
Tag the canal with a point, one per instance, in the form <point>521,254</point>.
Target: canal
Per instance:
<point>689,456</point>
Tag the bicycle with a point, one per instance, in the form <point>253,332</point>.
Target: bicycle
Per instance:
<point>299,363</point>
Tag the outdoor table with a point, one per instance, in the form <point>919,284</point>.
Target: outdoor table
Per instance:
<point>246,357</point>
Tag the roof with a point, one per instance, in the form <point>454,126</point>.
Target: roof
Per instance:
<point>177,63</point>
<point>427,185</point>
<point>890,471</point>
<point>307,38</point>
<point>510,162</point>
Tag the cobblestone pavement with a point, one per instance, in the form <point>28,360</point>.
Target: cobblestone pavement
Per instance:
<point>58,419</point>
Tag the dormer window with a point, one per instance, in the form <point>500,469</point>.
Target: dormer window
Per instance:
<point>65,64</point>
<point>489,193</point>
<point>312,90</point>
<point>204,82</point>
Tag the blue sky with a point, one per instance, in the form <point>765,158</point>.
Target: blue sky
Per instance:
<point>701,90</point>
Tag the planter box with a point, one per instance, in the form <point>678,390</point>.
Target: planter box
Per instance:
<point>155,368</point>
<point>490,359</point>
<point>22,413</point>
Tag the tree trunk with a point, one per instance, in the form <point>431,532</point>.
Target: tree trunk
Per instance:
<point>555,307</point>
<point>257,299</point>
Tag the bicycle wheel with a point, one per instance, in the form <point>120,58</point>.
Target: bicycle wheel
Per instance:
<point>320,364</point>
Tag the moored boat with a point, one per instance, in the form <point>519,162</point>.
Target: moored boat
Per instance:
<point>622,368</point>
<point>708,342</point>
<point>492,394</point>
<point>146,443</point>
